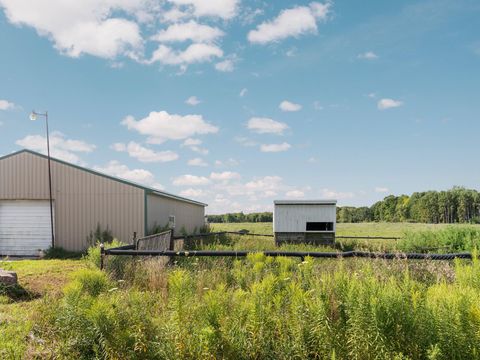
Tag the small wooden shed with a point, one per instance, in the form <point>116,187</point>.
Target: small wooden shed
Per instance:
<point>305,221</point>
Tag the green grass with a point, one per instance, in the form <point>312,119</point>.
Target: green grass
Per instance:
<point>254,308</point>
<point>343,229</point>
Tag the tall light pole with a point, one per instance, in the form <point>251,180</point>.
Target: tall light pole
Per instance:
<point>33,117</point>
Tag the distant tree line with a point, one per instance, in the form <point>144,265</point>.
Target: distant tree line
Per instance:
<point>457,205</point>
<point>241,217</point>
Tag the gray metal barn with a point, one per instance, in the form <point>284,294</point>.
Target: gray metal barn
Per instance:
<point>82,199</point>
<point>305,221</point>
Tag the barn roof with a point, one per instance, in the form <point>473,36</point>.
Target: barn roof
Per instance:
<point>148,189</point>
<point>305,202</point>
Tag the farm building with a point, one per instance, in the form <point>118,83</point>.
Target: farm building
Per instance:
<point>82,198</point>
<point>304,221</point>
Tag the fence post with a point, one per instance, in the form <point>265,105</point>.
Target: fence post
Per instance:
<point>135,240</point>
<point>102,255</point>
<point>172,244</point>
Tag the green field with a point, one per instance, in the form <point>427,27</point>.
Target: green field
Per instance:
<point>254,308</point>
<point>360,229</point>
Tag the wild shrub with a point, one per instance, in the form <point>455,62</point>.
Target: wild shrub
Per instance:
<point>100,235</point>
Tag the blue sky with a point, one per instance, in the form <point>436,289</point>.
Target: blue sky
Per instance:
<point>236,103</point>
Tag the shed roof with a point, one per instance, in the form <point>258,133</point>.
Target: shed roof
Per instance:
<point>148,189</point>
<point>305,202</point>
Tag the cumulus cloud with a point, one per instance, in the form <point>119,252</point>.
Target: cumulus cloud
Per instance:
<point>224,176</point>
<point>161,126</point>
<point>369,55</point>
<point>225,9</point>
<point>193,101</point>
<point>336,195</point>
<point>190,30</point>
<point>295,194</point>
<point>82,27</point>
<point>381,190</point>
<point>60,147</point>
<point>195,53</point>
<point>6,105</point>
<point>140,176</point>
<point>275,147</point>
<point>144,154</point>
<point>227,65</point>
<point>197,162</point>
<point>384,104</point>
<point>193,193</point>
<point>190,180</point>
<point>286,105</point>
<point>266,126</point>
<point>292,22</point>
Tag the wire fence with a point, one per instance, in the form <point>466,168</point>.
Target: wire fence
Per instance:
<point>162,244</point>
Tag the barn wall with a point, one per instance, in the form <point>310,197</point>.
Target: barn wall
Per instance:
<point>292,217</point>
<point>82,198</point>
<point>188,215</point>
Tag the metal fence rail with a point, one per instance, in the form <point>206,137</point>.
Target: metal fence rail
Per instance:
<point>298,254</point>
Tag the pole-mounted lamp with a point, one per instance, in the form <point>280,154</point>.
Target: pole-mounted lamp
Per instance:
<point>33,117</point>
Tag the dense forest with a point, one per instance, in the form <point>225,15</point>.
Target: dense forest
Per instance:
<point>458,205</point>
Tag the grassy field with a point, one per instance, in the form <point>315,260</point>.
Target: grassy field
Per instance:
<point>360,229</point>
<point>38,279</point>
<point>254,308</point>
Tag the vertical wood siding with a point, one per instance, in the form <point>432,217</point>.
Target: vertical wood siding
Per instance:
<point>82,199</point>
<point>293,218</point>
<point>187,215</point>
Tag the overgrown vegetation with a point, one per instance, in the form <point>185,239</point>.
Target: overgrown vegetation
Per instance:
<point>265,308</point>
<point>100,235</point>
<point>253,308</point>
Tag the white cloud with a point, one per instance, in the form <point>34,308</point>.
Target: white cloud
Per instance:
<point>6,105</point>
<point>224,176</point>
<point>384,104</point>
<point>230,162</point>
<point>225,9</point>
<point>60,147</point>
<point>286,105</point>
<point>161,126</point>
<point>194,53</point>
<point>312,160</point>
<point>193,101</point>
<point>275,147</point>
<point>193,193</point>
<point>144,154</point>
<point>244,141</point>
<point>197,162</point>
<point>266,126</point>
<point>294,22</point>
<point>82,27</point>
<point>243,92</point>
<point>191,142</point>
<point>295,194</point>
<point>140,176</point>
<point>336,195</point>
<point>190,30</point>
<point>190,180</point>
<point>369,55</point>
<point>382,190</point>
<point>227,65</point>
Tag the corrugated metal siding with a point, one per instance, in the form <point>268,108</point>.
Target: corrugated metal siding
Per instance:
<point>293,218</point>
<point>187,215</point>
<point>82,199</point>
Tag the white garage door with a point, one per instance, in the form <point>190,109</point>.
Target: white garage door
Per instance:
<point>24,227</point>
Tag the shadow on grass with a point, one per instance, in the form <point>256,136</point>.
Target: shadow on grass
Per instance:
<point>17,293</point>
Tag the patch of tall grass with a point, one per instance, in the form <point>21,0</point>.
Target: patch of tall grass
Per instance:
<point>269,308</point>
